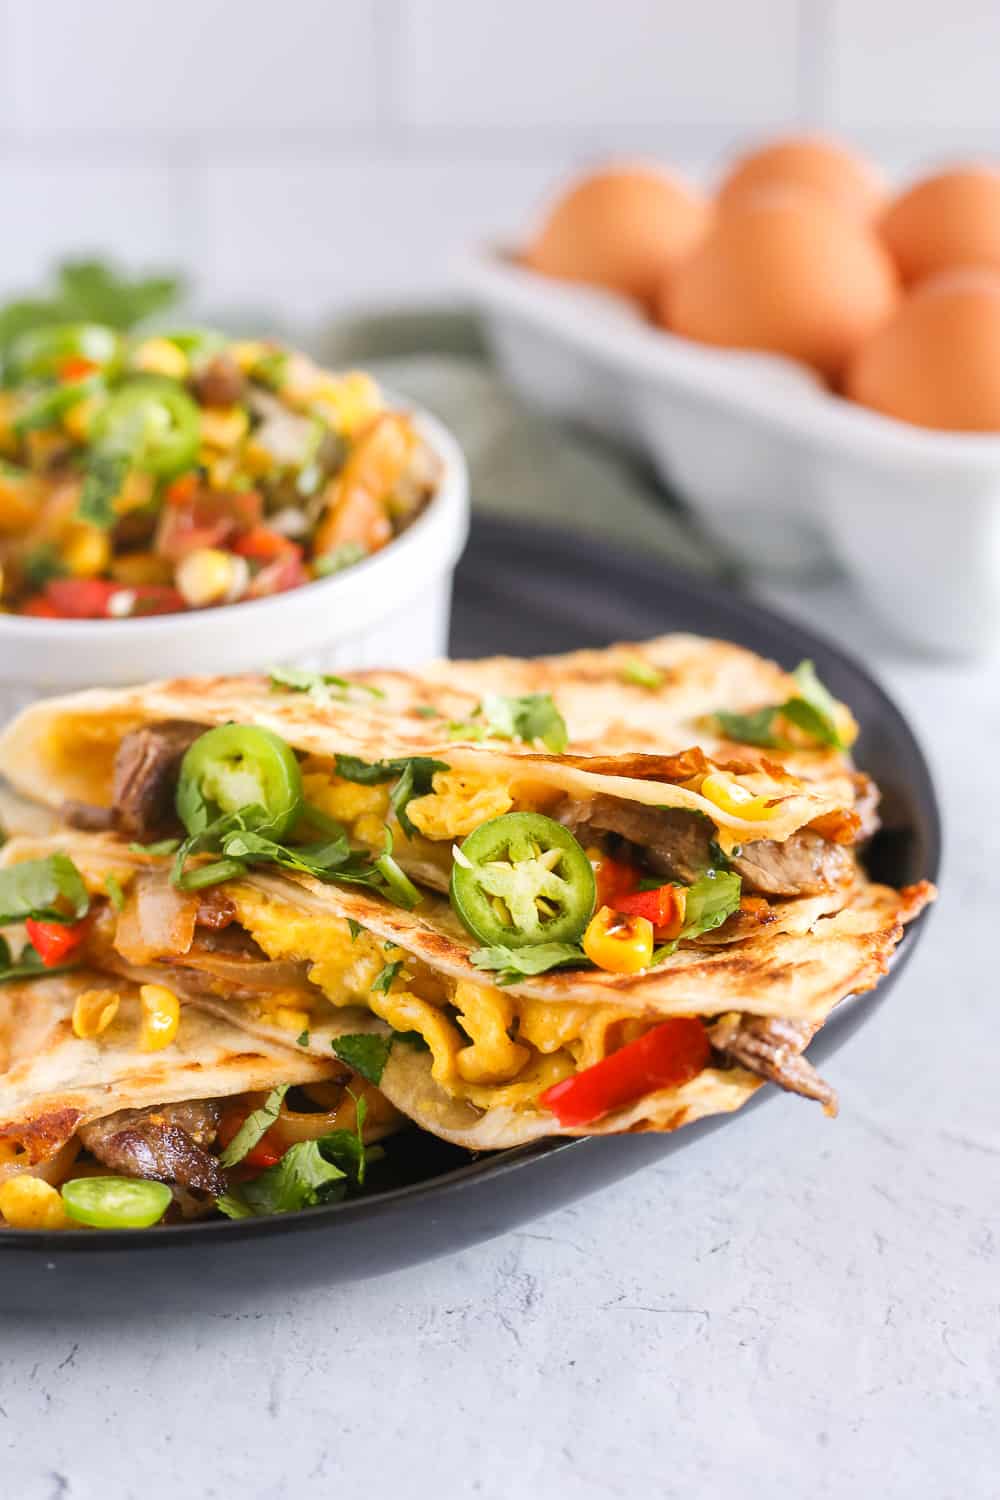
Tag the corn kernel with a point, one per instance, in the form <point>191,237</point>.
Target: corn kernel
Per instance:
<point>209,576</point>
<point>158,356</point>
<point>247,353</point>
<point>31,1203</point>
<point>161,1017</point>
<point>86,550</point>
<point>136,492</point>
<point>20,500</point>
<point>290,1018</point>
<point>224,426</point>
<point>348,401</point>
<point>93,1012</point>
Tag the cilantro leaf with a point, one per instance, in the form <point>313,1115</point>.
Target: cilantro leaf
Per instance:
<point>28,964</point>
<point>812,708</point>
<point>254,1127</point>
<point>323,687</point>
<point>49,890</point>
<point>708,903</point>
<point>302,1040</point>
<point>382,983</point>
<point>344,556</point>
<point>163,846</point>
<point>514,963</point>
<point>365,1052</point>
<point>414,778</point>
<point>531,718</point>
<point>355,929</point>
<point>115,893</point>
<point>641,674</point>
<point>302,1178</point>
<point>102,483</point>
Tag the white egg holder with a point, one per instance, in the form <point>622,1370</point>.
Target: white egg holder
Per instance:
<point>778,469</point>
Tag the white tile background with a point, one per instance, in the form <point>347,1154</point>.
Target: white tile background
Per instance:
<point>304,154</point>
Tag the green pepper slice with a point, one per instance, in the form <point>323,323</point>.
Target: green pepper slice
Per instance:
<point>154,421</point>
<point>49,408</point>
<point>115,1202</point>
<point>235,768</point>
<point>522,879</point>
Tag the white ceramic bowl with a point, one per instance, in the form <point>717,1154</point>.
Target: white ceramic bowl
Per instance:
<point>391,610</point>
<point>779,470</point>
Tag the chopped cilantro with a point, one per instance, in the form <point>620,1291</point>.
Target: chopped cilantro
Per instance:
<point>254,1127</point>
<point>323,687</point>
<point>512,964</point>
<point>533,718</point>
<point>355,929</point>
<point>382,983</point>
<point>812,709</point>
<point>164,846</point>
<point>365,1052</point>
<point>102,484</point>
<point>413,777</point>
<point>115,893</point>
<point>345,556</point>
<point>302,1040</point>
<point>641,674</point>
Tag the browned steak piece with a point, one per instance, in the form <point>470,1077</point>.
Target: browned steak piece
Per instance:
<point>220,383</point>
<point>145,777</point>
<point>677,844</point>
<point>86,816</point>
<point>804,865</point>
<point>166,1143</point>
<point>772,1048</point>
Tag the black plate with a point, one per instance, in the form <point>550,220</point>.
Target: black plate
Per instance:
<point>520,592</point>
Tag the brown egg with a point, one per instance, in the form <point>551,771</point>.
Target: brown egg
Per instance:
<point>951,219</point>
<point>823,166</point>
<point>621,228</point>
<point>937,362</point>
<point>786,272</point>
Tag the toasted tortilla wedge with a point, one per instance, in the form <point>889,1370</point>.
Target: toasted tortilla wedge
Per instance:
<point>803,961</point>
<point>52,1082</point>
<point>63,749</point>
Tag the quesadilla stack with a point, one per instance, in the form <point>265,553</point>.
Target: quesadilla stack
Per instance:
<point>609,892</point>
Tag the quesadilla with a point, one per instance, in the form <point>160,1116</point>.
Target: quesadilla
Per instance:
<point>85,1093</point>
<point>521,899</point>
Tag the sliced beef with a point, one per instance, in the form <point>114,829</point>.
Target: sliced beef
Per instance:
<point>86,816</point>
<point>804,865</point>
<point>677,844</point>
<point>145,777</point>
<point>167,1143</point>
<point>772,1048</point>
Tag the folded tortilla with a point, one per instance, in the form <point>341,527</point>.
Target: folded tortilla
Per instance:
<point>61,752</point>
<point>469,1059</point>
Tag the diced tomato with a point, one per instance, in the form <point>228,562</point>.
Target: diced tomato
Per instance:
<point>92,599</point>
<point>664,907</point>
<point>669,1055</point>
<point>155,599</point>
<point>614,878</point>
<point>54,941</point>
<point>200,517</point>
<point>80,598</point>
<point>264,544</point>
<point>40,608</point>
<point>286,572</point>
<point>75,367</point>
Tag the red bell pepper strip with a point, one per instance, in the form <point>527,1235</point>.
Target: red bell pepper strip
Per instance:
<point>614,879</point>
<point>663,906</point>
<point>40,608</point>
<point>54,941</point>
<point>75,367</point>
<point>263,1155</point>
<point>669,1055</point>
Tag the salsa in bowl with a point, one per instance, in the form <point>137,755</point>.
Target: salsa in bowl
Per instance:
<point>184,471</point>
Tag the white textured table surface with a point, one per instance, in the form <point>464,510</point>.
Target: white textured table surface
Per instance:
<point>795,1307</point>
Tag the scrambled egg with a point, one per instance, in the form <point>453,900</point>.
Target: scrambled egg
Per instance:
<point>458,804</point>
<point>487,1045</point>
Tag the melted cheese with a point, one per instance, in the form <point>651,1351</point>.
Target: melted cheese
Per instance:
<point>498,1050</point>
